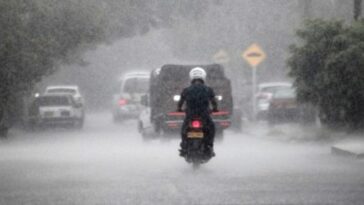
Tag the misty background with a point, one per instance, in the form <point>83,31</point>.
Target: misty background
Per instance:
<point>92,43</point>
<point>190,32</point>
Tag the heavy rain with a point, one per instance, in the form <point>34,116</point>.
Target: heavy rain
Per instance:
<point>181,102</point>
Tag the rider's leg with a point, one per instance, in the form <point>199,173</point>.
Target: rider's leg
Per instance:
<point>183,143</point>
<point>210,135</point>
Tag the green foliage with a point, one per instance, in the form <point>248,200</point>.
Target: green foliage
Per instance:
<point>37,35</point>
<point>328,70</point>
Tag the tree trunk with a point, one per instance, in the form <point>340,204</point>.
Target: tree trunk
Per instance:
<point>357,9</point>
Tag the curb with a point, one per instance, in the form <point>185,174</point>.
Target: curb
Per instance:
<point>335,150</point>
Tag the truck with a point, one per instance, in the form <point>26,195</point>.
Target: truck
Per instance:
<point>165,86</point>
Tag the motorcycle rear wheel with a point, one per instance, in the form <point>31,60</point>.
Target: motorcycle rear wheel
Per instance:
<point>196,165</point>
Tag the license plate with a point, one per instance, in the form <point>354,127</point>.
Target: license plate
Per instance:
<point>291,106</point>
<point>48,114</point>
<point>195,135</point>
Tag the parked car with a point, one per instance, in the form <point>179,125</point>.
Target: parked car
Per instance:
<point>66,89</point>
<point>283,107</point>
<point>264,96</point>
<point>126,102</point>
<point>4,121</point>
<point>145,125</point>
<point>56,109</point>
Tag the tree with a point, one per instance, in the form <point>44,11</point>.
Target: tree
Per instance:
<point>357,9</point>
<point>38,35</point>
<point>327,69</point>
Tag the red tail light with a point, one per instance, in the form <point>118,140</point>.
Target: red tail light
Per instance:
<point>123,102</point>
<point>172,125</point>
<point>225,124</point>
<point>264,96</point>
<point>196,124</point>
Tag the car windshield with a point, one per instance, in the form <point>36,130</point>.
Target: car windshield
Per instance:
<point>285,93</point>
<point>62,90</point>
<point>136,85</point>
<point>181,73</point>
<point>272,89</point>
<point>53,101</point>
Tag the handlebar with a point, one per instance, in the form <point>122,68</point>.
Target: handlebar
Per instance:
<point>212,113</point>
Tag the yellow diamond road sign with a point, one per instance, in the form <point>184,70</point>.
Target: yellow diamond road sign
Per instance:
<point>254,55</point>
<point>221,57</point>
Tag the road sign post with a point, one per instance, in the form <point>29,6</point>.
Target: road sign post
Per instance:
<point>254,89</point>
<point>254,55</point>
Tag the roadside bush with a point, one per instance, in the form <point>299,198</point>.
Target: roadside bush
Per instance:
<point>38,35</point>
<point>328,70</point>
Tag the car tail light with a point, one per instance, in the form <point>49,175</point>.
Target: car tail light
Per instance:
<point>123,102</point>
<point>225,124</point>
<point>196,124</point>
<point>172,124</point>
<point>264,96</point>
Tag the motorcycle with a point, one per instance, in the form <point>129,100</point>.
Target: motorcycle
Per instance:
<point>197,150</point>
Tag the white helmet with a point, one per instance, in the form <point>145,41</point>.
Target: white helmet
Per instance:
<point>198,73</point>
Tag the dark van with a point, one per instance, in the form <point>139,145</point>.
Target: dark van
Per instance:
<point>167,83</point>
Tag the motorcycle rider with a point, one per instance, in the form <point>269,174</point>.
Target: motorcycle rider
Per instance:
<point>198,97</point>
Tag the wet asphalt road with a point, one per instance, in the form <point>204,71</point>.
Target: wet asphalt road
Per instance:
<point>107,163</point>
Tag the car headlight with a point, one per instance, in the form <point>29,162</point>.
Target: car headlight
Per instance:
<point>176,98</point>
<point>219,97</point>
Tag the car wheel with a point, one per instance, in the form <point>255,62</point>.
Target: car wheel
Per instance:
<point>237,120</point>
<point>139,127</point>
<point>117,118</point>
<point>272,121</point>
<point>148,134</point>
<point>166,134</point>
<point>219,135</point>
<point>260,116</point>
<point>145,136</point>
<point>271,118</point>
<point>4,132</point>
<point>29,125</point>
<point>78,123</point>
<point>157,126</point>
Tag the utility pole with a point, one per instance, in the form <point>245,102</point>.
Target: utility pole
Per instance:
<point>307,4</point>
<point>357,9</point>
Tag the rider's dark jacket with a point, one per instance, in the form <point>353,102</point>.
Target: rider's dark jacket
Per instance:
<point>198,97</point>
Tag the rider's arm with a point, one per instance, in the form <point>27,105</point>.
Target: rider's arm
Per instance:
<point>213,100</point>
<point>181,100</point>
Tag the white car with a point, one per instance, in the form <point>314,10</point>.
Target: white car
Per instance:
<point>145,126</point>
<point>126,102</point>
<point>264,96</point>
<point>66,89</point>
<point>51,109</point>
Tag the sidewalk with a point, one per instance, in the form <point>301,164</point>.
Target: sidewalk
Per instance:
<point>286,132</point>
<point>341,143</point>
<point>351,148</point>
